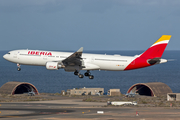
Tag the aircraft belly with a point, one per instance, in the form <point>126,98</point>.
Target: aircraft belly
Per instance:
<point>112,66</point>
<point>35,60</point>
<point>89,66</point>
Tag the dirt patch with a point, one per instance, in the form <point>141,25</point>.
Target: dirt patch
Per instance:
<point>143,101</point>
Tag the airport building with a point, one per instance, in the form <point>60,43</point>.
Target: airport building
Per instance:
<point>114,92</point>
<point>173,97</point>
<point>147,89</point>
<point>18,88</point>
<point>85,91</point>
<point>153,89</point>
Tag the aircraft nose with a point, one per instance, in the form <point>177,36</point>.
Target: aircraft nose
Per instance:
<point>5,56</point>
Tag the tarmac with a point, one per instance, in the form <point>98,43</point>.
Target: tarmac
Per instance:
<point>76,109</point>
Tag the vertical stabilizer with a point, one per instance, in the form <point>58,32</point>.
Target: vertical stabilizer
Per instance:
<point>152,55</point>
<point>157,49</point>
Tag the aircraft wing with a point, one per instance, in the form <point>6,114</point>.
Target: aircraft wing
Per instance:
<point>74,59</point>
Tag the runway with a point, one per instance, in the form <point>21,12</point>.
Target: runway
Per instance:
<point>72,109</point>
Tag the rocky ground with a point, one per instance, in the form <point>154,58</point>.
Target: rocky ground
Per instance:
<point>146,101</point>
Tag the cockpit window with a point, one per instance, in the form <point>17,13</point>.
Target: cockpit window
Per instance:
<point>9,53</point>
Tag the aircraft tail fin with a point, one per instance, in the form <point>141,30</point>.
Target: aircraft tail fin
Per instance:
<point>157,49</point>
<point>152,55</point>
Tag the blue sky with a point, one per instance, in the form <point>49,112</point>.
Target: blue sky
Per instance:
<point>92,24</point>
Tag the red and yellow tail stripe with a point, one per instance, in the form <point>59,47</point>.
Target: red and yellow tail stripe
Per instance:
<point>164,39</point>
<point>155,51</point>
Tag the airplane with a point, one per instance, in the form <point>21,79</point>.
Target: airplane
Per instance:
<point>74,62</point>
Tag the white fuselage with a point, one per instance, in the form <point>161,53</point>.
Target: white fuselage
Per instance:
<point>74,62</point>
<point>91,61</point>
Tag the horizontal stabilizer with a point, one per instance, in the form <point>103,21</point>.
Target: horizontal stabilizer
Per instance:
<point>154,61</point>
<point>157,61</point>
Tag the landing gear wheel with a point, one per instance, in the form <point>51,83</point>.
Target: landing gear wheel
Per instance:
<point>91,77</point>
<point>76,73</point>
<point>81,75</point>
<point>19,69</point>
<point>18,65</point>
<point>86,74</point>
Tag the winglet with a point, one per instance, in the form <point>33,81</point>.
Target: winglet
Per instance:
<point>80,50</point>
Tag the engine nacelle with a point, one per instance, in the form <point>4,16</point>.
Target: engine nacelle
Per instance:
<point>52,66</point>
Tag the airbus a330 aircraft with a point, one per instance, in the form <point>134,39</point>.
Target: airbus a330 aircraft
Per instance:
<point>74,62</point>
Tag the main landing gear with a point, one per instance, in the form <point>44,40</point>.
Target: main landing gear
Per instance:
<point>79,75</point>
<point>18,65</point>
<point>88,74</point>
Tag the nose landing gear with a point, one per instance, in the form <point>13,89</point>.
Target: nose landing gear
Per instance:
<point>18,65</point>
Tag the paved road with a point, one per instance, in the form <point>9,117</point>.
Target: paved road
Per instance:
<point>77,110</point>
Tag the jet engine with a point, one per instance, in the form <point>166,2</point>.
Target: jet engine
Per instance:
<point>52,66</point>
